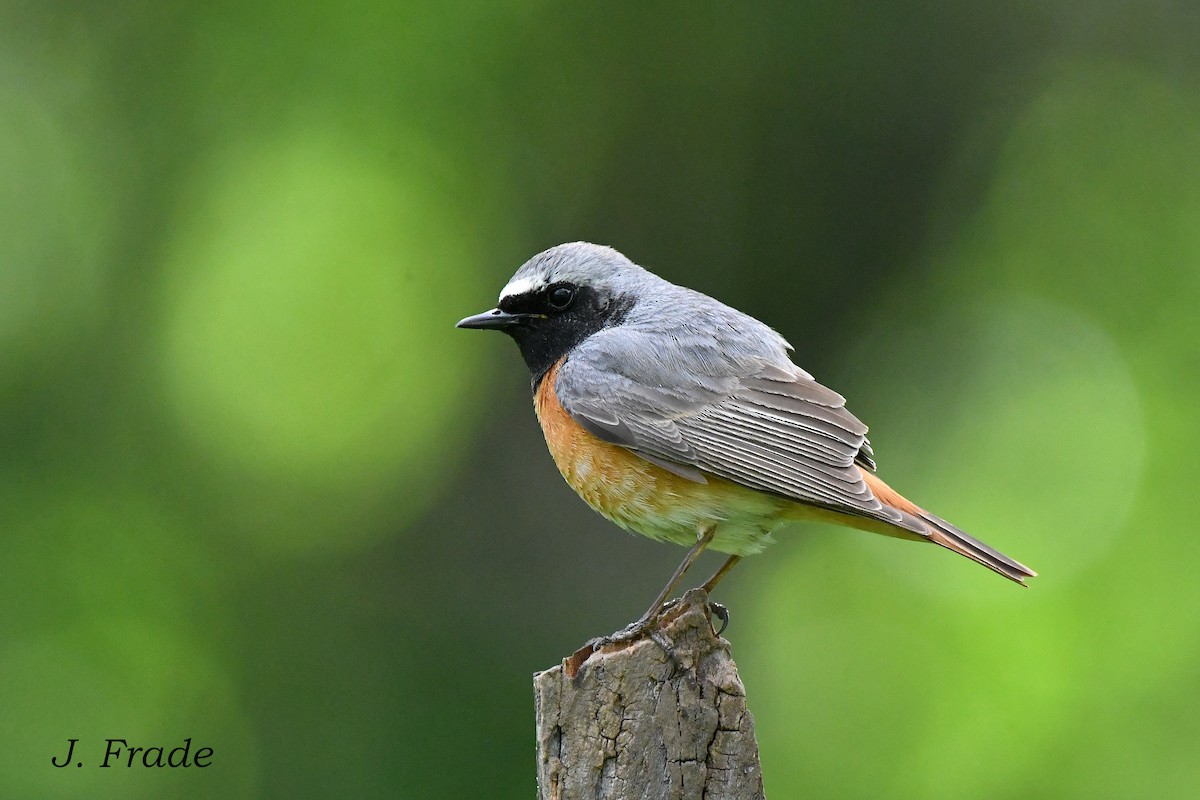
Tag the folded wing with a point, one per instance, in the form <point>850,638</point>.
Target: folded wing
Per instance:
<point>762,424</point>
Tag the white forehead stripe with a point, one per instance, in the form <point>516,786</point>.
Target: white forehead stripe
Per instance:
<point>521,286</point>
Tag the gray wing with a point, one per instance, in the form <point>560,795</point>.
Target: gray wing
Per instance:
<point>751,418</point>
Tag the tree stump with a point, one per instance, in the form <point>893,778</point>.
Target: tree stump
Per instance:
<point>633,721</point>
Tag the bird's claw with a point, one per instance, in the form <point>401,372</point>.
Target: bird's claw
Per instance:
<point>720,612</point>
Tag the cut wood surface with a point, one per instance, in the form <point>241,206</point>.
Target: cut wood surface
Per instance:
<point>632,721</point>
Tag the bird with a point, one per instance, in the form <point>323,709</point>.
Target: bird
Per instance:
<point>682,419</point>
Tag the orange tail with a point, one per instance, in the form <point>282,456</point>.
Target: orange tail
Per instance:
<point>941,532</point>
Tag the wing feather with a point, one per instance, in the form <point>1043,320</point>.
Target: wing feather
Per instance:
<point>804,440</point>
<point>751,463</point>
<point>777,430</point>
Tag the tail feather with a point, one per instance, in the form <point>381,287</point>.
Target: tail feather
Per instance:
<point>937,530</point>
<point>950,537</point>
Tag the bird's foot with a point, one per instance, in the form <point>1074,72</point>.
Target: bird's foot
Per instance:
<point>633,632</point>
<point>648,627</point>
<point>720,612</point>
<point>715,609</point>
<point>645,627</point>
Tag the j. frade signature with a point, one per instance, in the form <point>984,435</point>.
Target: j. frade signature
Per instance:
<point>119,753</point>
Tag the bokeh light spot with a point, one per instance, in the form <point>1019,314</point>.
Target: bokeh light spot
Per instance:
<point>103,600</point>
<point>91,550</point>
<point>117,678</point>
<point>1096,198</point>
<point>983,421</point>
<point>1020,422</point>
<point>309,333</point>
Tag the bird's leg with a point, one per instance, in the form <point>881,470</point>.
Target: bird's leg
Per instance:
<point>702,542</point>
<point>716,609</point>
<point>639,628</point>
<point>711,583</point>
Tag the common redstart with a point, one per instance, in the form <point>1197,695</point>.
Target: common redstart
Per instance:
<point>682,419</point>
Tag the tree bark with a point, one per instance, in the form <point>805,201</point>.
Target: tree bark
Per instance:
<point>634,721</point>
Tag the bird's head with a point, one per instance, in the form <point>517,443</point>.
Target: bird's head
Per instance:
<point>560,297</point>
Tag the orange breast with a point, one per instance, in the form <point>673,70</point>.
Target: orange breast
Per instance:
<point>611,479</point>
<point>646,498</point>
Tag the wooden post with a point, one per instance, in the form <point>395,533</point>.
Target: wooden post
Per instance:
<point>632,721</point>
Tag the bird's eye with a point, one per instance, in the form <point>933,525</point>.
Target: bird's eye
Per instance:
<point>561,297</point>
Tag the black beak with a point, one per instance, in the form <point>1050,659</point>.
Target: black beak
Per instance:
<point>495,319</point>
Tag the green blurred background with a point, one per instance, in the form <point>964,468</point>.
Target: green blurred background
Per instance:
<point>256,490</point>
